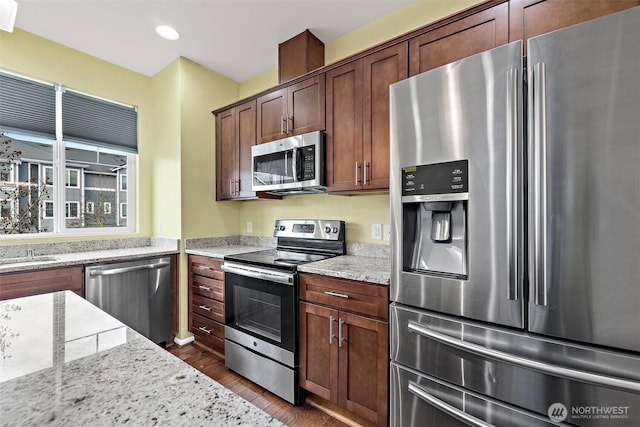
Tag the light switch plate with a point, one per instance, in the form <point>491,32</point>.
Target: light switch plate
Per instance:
<point>386,232</point>
<point>249,227</point>
<point>376,231</point>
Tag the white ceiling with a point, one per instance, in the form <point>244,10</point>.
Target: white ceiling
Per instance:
<point>236,38</point>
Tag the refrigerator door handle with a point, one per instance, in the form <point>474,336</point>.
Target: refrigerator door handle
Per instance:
<point>512,182</point>
<point>545,368</point>
<point>539,270</point>
<point>450,410</point>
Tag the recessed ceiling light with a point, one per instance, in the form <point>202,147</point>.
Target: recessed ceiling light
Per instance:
<point>167,32</point>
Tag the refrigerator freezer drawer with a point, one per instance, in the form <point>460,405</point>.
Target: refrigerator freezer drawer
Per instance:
<point>522,369</point>
<point>420,400</point>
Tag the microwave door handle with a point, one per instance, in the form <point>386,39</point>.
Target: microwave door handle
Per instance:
<point>294,165</point>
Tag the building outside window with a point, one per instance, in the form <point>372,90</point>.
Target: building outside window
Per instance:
<point>96,145</point>
<point>72,210</point>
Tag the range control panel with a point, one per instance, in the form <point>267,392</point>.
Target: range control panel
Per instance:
<point>437,178</point>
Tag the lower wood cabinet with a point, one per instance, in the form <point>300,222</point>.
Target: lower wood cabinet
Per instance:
<point>34,282</point>
<point>344,355</point>
<point>206,301</point>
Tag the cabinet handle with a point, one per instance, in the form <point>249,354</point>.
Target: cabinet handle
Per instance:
<point>330,329</point>
<point>203,267</point>
<point>357,167</point>
<point>289,119</point>
<point>237,186</point>
<point>205,330</point>
<point>205,307</point>
<point>230,186</point>
<point>364,173</point>
<point>281,124</point>
<point>206,288</point>
<point>340,339</point>
<point>335,294</point>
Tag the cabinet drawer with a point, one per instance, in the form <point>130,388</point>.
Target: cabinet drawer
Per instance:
<point>208,332</point>
<point>349,295</point>
<point>204,266</point>
<point>206,287</point>
<point>208,308</point>
<point>27,283</point>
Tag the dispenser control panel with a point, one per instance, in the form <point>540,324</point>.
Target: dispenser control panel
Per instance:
<point>437,178</point>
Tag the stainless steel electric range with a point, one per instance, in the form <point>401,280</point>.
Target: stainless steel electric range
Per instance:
<point>261,302</point>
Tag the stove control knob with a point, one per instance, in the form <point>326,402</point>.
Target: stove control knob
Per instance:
<point>282,228</point>
<point>327,229</point>
<point>335,229</point>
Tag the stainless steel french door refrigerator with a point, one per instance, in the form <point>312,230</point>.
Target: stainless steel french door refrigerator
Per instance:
<point>515,206</point>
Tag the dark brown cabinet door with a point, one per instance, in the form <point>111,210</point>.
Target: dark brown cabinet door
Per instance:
<point>292,110</point>
<point>357,133</point>
<point>246,138</point>
<point>318,352</point>
<point>272,110</point>
<point>235,134</point>
<point>305,106</point>
<point>381,69</point>
<point>36,282</point>
<point>344,126</point>
<point>364,367</point>
<point>474,34</point>
<point>226,169</point>
<point>530,18</point>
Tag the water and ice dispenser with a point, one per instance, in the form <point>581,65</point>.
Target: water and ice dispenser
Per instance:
<point>435,202</point>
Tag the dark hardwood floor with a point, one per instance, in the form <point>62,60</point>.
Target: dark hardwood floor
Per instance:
<point>213,366</point>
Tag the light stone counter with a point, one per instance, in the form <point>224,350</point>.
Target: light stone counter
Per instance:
<point>64,362</point>
<point>222,251</point>
<point>49,255</point>
<point>353,267</point>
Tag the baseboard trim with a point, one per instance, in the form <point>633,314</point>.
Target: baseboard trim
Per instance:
<point>184,340</point>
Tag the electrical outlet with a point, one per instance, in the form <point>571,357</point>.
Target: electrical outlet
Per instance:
<point>376,231</point>
<point>249,227</point>
<point>387,232</point>
<point>160,227</point>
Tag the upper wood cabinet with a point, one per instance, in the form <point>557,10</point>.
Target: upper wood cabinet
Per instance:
<point>357,132</point>
<point>292,110</point>
<point>474,34</point>
<point>235,134</point>
<point>530,18</point>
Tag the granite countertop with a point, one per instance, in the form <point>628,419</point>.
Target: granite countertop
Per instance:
<point>65,254</point>
<point>353,267</point>
<point>63,361</point>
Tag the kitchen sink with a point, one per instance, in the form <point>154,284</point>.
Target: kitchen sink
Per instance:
<point>27,259</point>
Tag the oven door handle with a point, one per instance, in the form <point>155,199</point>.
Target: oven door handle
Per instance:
<point>256,273</point>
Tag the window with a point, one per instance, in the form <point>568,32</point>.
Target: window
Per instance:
<point>76,148</point>
<point>48,209</point>
<point>48,175</point>
<point>72,209</point>
<point>71,178</point>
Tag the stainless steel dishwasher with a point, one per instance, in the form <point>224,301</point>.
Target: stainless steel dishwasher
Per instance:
<point>138,293</point>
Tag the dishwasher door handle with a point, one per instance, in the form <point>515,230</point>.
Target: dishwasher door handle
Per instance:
<point>128,269</point>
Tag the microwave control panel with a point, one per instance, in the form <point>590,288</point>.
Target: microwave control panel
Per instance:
<point>308,162</point>
<point>437,178</point>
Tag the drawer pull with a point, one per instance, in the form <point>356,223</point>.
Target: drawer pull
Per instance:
<point>205,330</point>
<point>206,288</point>
<point>203,267</point>
<point>335,294</point>
<point>205,307</point>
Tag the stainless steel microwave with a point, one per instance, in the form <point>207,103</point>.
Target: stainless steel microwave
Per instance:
<point>293,165</point>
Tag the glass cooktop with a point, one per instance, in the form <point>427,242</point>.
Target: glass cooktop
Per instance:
<point>277,258</point>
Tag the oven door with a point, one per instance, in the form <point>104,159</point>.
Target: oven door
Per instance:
<point>261,310</point>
